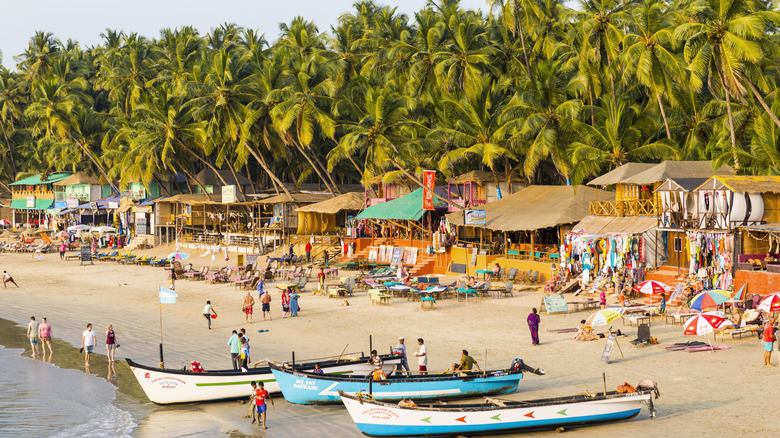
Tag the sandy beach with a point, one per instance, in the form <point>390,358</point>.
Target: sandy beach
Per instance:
<point>723,393</point>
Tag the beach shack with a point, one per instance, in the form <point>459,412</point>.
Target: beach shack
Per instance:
<point>378,190</point>
<point>472,189</point>
<point>32,196</point>
<point>214,182</point>
<point>321,223</point>
<point>524,230</point>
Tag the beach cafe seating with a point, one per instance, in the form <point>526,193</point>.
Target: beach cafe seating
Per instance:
<point>379,296</point>
<point>511,274</point>
<point>160,263</point>
<point>461,288</point>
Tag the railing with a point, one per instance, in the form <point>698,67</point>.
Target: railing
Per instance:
<point>633,207</point>
<point>462,202</point>
<point>39,194</point>
<point>525,253</point>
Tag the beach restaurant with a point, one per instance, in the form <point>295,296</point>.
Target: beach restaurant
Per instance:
<point>524,230</point>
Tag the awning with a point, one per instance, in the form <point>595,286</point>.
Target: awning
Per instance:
<point>409,207</point>
<point>66,211</point>
<point>598,225</point>
<point>40,204</point>
<point>37,180</point>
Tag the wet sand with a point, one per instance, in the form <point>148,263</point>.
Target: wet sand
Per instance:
<point>724,393</point>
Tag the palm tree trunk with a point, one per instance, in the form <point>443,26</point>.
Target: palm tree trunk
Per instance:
<point>94,160</point>
<point>663,115</point>
<point>732,135</point>
<point>762,102</point>
<point>360,171</point>
<point>162,186</point>
<point>325,169</point>
<point>235,178</point>
<point>267,170</point>
<point>204,161</point>
<point>196,182</point>
<point>519,22</point>
<point>313,166</point>
<point>10,151</point>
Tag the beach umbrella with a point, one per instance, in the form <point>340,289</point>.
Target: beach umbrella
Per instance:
<point>709,299</point>
<point>604,316</point>
<point>178,255</point>
<point>4,222</point>
<point>79,228</point>
<point>62,235</point>
<point>704,323</point>
<point>650,287</point>
<point>740,294</point>
<point>770,303</point>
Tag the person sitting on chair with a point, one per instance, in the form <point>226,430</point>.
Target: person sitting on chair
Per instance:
<point>467,363</point>
<point>496,270</point>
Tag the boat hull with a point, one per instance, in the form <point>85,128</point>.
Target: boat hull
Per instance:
<point>386,420</point>
<point>308,389</point>
<point>173,386</point>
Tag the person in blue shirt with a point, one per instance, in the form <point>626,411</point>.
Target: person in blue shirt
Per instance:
<point>235,348</point>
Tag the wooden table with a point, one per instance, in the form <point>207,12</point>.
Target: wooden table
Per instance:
<point>336,292</point>
<point>431,302</point>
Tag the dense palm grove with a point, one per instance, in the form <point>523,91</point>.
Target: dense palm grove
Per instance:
<point>532,89</point>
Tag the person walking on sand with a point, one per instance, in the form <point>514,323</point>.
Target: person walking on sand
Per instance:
<point>249,305</point>
<point>248,348</point>
<point>265,299</point>
<point>45,333</point>
<point>243,354</point>
<point>285,302</point>
<point>208,311</point>
<point>769,341</point>
<point>252,406</point>
<point>110,343</point>
<point>32,335</point>
<point>261,395</point>
<point>533,324</point>
<point>63,247</point>
<point>321,280</point>
<point>404,363</point>
<point>88,342</point>
<point>603,299</point>
<point>8,279</point>
<point>294,303</point>
<point>308,251</point>
<point>422,357</point>
<point>235,349</point>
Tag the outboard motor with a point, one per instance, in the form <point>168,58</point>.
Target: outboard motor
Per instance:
<point>519,365</point>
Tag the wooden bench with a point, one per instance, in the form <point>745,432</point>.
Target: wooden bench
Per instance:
<point>431,302</point>
<point>379,297</point>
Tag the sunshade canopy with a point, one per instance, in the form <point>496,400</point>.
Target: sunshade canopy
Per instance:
<point>36,179</point>
<point>618,175</point>
<point>408,207</point>
<point>537,207</point>
<point>40,204</point>
<point>677,169</point>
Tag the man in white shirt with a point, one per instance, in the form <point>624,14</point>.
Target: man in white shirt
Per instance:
<point>404,363</point>
<point>422,357</point>
<point>88,342</point>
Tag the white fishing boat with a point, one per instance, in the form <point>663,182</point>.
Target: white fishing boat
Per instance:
<point>375,418</point>
<point>168,386</point>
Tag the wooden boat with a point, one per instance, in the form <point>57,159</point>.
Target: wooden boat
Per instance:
<point>375,418</point>
<point>167,386</point>
<point>307,388</point>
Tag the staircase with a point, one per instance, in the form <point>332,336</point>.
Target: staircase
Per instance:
<point>425,265</point>
<point>147,240</point>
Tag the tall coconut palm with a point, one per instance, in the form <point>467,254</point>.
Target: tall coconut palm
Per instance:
<point>12,101</point>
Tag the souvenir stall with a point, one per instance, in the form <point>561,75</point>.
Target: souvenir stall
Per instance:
<point>710,259</point>
<point>611,261</point>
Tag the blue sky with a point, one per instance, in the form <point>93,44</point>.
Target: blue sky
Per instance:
<point>84,20</point>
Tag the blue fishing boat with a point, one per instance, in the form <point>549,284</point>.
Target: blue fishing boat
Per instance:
<point>307,388</point>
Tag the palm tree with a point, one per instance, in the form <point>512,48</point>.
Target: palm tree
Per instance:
<point>12,102</point>
<point>37,58</point>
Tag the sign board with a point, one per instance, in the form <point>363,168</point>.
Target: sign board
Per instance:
<point>251,259</point>
<point>474,256</point>
<point>608,348</point>
<point>228,194</point>
<point>555,304</point>
<point>474,217</point>
<point>140,224</point>
<point>31,201</point>
<point>458,268</point>
<point>113,205</point>
<point>373,253</point>
<point>72,203</point>
<point>397,253</point>
<point>429,180</point>
<point>142,208</point>
<point>93,206</point>
<point>412,255</point>
<point>381,254</point>
<point>86,255</point>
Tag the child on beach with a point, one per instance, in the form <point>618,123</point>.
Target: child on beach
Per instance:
<point>260,397</point>
<point>252,406</point>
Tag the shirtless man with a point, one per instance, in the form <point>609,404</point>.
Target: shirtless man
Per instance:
<point>265,299</point>
<point>32,334</point>
<point>249,304</point>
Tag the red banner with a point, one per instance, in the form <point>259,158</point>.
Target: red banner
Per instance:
<point>429,179</point>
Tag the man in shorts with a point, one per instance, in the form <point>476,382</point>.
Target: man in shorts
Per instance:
<point>769,341</point>
<point>249,305</point>
<point>32,334</point>
<point>265,299</point>
<point>261,395</point>
<point>88,342</point>
<point>8,279</point>
<point>422,356</point>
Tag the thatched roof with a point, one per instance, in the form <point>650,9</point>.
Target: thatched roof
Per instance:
<point>482,176</point>
<point>748,184</point>
<point>81,178</point>
<point>537,207</point>
<point>187,198</point>
<point>677,169</point>
<point>352,201</point>
<point>298,198</point>
<point>615,225</point>
<point>619,174</point>
<point>680,185</point>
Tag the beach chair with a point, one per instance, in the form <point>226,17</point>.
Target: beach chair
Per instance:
<point>642,335</point>
<point>511,274</point>
<point>533,277</point>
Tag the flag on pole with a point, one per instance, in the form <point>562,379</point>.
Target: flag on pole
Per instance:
<point>167,296</point>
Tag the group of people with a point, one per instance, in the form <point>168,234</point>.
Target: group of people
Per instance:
<point>89,342</point>
<point>41,333</point>
<point>239,350</point>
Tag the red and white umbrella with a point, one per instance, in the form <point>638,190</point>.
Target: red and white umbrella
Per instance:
<point>4,222</point>
<point>770,303</point>
<point>650,287</point>
<point>704,323</point>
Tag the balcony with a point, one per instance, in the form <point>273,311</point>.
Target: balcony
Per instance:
<point>631,207</point>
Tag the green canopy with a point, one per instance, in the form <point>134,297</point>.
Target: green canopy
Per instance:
<point>40,204</point>
<point>409,207</point>
<point>36,179</point>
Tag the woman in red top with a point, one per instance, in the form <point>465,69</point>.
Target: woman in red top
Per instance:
<point>769,341</point>
<point>321,279</point>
